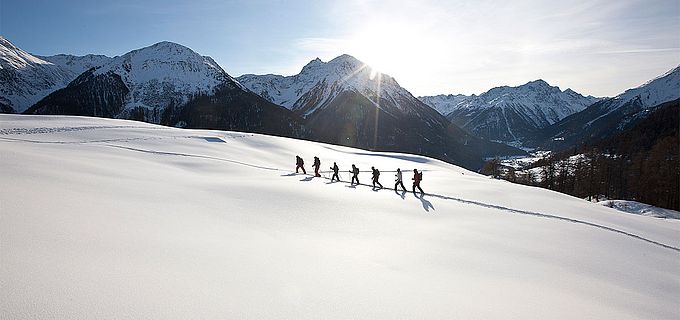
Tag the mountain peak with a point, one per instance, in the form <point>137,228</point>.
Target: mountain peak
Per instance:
<point>538,83</point>
<point>313,64</point>
<point>346,58</point>
<point>169,48</point>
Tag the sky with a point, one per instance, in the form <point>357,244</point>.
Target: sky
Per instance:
<point>598,48</point>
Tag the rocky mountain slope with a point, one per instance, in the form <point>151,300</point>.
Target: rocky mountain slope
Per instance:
<point>25,79</point>
<point>610,116</point>
<point>510,114</point>
<point>170,84</point>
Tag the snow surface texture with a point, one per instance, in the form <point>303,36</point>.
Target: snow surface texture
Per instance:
<point>25,79</point>
<point>538,101</point>
<point>116,219</point>
<point>320,82</point>
<point>640,208</point>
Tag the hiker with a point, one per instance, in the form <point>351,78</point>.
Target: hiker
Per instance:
<point>316,165</point>
<point>398,180</point>
<point>299,164</point>
<point>335,172</point>
<point>417,177</point>
<point>376,175</point>
<point>355,174</point>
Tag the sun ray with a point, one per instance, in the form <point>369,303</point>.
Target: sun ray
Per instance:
<point>354,73</point>
<point>377,111</point>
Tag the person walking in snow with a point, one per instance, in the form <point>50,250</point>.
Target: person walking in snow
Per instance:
<point>398,179</point>
<point>335,172</point>
<point>355,174</point>
<point>299,164</point>
<point>376,176</point>
<point>316,165</point>
<point>417,177</point>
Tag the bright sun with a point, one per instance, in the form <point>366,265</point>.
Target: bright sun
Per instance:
<point>392,49</point>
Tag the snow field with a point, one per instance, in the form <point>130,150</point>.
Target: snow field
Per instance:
<point>118,219</point>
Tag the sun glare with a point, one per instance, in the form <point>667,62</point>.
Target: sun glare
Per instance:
<point>386,47</point>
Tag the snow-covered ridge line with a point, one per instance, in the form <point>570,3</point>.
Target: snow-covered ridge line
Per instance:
<point>536,93</point>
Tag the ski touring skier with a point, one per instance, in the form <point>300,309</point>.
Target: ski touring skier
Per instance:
<point>316,165</point>
<point>417,177</point>
<point>399,181</point>
<point>376,176</point>
<point>355,174</point>
<point>335,172</point>
<point>299,164</point>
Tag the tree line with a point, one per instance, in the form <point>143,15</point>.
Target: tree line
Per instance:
<point>641,164</point>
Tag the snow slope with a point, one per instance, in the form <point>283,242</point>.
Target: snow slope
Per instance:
<point>665,87</point>
<point>77,64</point>
<point>644,209</point>
<point>118,219</point>
<point>610,116</point>
<point>25,79</point>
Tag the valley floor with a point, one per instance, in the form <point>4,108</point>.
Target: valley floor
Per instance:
<point>104,218</point>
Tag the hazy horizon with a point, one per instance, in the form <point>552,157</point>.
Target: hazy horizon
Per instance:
<point>430,47</point>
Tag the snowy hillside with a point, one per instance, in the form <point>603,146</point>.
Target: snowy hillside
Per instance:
<point>610,116</point>
<point>77,64</point>
<point>119,219</point>
<point>644,209</point>
<point>25,79</point>
<point>511,114</point>
<point>665,87</point>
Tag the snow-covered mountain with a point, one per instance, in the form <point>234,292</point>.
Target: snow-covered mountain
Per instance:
<point>613,115</point>
<point>117,219</point>
<point>164,83</point>
<point>77,64</point>
<point>346,102</point>
<point>511,114</point>
<point>444,103</point>
<point>163,75</point>
<point>319,83</point>
<point>25,78</point>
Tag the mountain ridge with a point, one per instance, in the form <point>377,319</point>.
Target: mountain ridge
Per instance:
<point>612,115</point>
<point>25,78</point>
<point>346,102</point>
<point>510,114</point>
<point>168,83</point>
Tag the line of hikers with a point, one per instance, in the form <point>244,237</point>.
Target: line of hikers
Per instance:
<point>417,176</point>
